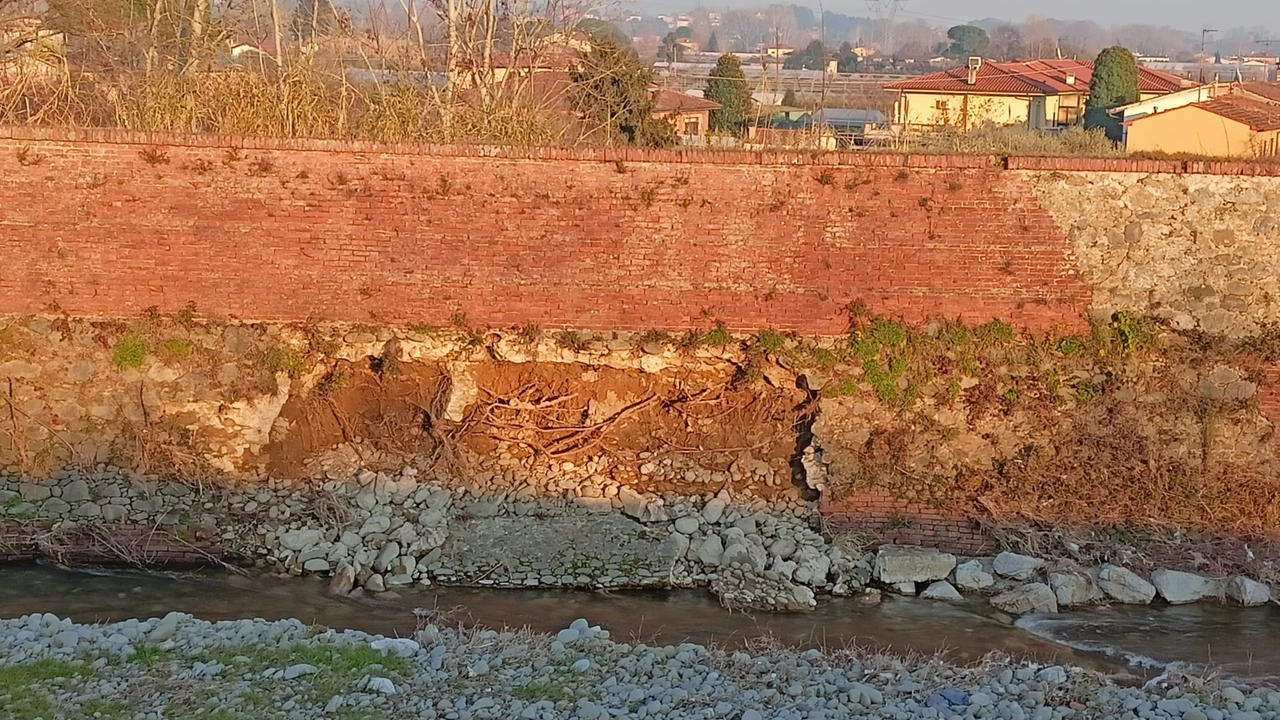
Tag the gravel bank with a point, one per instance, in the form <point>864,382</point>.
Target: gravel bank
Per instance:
<point>179,667</point>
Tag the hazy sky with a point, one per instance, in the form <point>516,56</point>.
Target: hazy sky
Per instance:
<point>1189,15</point>
<point>1184,14</point>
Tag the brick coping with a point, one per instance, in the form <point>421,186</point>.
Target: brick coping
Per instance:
<point>691,156</point>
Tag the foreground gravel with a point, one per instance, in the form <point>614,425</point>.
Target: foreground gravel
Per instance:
<point>179,667</point>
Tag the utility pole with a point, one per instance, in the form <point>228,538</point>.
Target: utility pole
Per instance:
<point>886,11</point>
<point>1204,36</point>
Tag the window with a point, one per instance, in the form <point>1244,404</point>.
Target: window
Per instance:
<point>691,126</point>
<point>941,104</point>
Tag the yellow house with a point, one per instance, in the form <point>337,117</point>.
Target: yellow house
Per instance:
<point>689,115</point>
<point>1228,126</point>
<point>1040,94</point>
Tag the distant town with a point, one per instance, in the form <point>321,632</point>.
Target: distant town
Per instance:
<point>772,76</point>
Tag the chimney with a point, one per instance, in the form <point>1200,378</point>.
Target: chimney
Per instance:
<point>1071,78</point>
<point>974,64</point>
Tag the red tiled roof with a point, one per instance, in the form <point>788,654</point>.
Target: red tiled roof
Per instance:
<point>669,101</point>
<point>1268,90</point>
<point>1033,77</point>
<point>1259,115</point>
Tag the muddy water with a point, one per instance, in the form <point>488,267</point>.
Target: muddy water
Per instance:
<point>1127,641</point>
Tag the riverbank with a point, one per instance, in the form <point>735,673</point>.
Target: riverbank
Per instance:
<point>177,666</point>
<point>375,532</point>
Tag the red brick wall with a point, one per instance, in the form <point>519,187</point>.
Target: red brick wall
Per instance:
<point>884,519</point>
<point>108,223</point>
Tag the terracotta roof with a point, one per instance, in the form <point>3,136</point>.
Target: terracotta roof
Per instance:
<point>669,101</point>
<point>1033,77</point>
<point>1259,115</point>
<point>1268,90</point>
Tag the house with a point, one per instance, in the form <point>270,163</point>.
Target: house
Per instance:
<point>1142,108</point>
<point>689,115</point>
<point>1241,124</point>
<point>1040,94</point>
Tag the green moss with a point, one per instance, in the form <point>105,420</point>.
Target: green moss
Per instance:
<point>538,691</point>
<point>846,388</point>
<point>284,359</point>
<point>770,341</point>
<point>176,348</point>
<point>823,358</point>
<point>423,329</point>
<point>888,333</point>
<point>718,337</point>
<point>130,351</point>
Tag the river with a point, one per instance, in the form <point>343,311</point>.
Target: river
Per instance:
<point>1133,643</point>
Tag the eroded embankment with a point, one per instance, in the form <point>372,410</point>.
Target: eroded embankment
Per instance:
<point>765,464</point>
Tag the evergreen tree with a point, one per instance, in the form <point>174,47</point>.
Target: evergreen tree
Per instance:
<point>670,51</point>
<point>813,57</point>
<point>789,98</point>
<point>966,41</point>
<point>604,29</point>
<point>1115,83</point>
<point>727,85</point>
<point>713,45</point>
<point>611,88</point>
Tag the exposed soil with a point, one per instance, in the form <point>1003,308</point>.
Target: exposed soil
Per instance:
<point>560,412</point>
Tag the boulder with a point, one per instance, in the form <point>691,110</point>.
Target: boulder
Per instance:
<point>1125,586</point>
<point>298,540</point>
<point>344,579</point>
<point>1179,588</point>
<point>713,510</point>
<point>1030,598</point>
<point>710,551</point>
<point>745,554</point>
<point>941,590</point>
<point>687,525</point>
<point>972,576</point>
<point>77,491</point>
<point>910,564</point>
<point>1248,592</point>
<point>1017,567</point>
<point>387,554</point>
<point>1074,588</point>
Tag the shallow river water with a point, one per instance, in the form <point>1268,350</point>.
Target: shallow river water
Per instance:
<point>1136,641</point>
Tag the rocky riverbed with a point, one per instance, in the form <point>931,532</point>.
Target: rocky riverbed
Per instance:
<point>178,667</point>
<point>573,527</point>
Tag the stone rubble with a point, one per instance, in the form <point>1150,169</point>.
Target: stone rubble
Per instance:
<point>243,667</point>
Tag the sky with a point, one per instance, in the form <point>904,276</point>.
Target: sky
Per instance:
<point>1182,14</point>
<point>1190,15</point>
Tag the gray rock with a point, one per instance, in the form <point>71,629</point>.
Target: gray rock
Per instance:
<point>1030,598</point>
<point>375,583</point>
<point>633,503</point>
<point>906,563</point>
<point>114,513</point>
<point>1179,588</point>
<point>1249,593</point>
<point>745,554</point>
<point>904,588</point>
<point>783,548</point>
<point>710,551</point>
<point>344,579</point>
<point>298,540</point>
<point>88,510</point>
<point>1074,588</point>
<point>54,507</point>
<point>1125,586</point>
<point>166,628</point>
<point>1016,567</point>
<point>713,511</point>
<point>77,491</point>
<point>33,493</point>
<point>316,565</point>
<point>687,525</point>
<point>970,575</point>
<point>941,590</point>
<point>295,671</point>
<point>387,554</point>
<point>375,524</point>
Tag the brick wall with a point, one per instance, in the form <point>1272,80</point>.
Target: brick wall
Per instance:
<point>883,519</point>
<point>103,223</point>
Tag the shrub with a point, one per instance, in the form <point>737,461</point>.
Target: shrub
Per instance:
<point>130,352</point>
